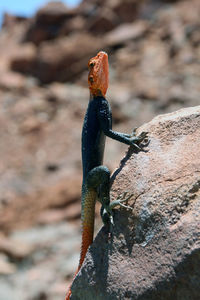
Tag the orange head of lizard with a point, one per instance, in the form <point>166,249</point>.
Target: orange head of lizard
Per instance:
<point>98,74</point>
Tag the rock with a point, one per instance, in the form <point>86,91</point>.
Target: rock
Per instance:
<point>31,125</point>
<point>125,10</point>
<point>11,20</point>
<point>6,267</point>
<point>60,60</point>
<point>43,272</point>
<point>102,22</point>
<point>12,81</point>
<point>52,12</point>
<point>48,22</point>
<point>57,215</point>
<point>64,59</point>
<point>24,60</point>
<point>126,32</point>
<point>154,250</point>
<point>14,248</point>
<point>72,25</point>
<point>60,195</point>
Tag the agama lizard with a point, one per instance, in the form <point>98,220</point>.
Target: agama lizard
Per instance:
<point>96,177</point>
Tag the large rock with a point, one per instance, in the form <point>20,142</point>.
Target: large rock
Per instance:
<point>103,21</point>
<point>65,58</point>
<point>59,60</point>
<point>11,20</point>
<point>125,10</point>
<point>24,60</point>
<point>154,250</point>
<point>125,33</point>
<point>48,21</point>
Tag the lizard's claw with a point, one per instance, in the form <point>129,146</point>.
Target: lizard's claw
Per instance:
<point>107,215</point>
<point>107,210</point>
<point>134,131</point>
<point>120,199</point>
<point>140,141</point>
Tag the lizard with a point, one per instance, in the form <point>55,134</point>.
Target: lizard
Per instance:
<point>96,177</point>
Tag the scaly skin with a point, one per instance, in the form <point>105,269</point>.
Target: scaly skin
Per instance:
<point>98,74</point>
<point>96,177</point>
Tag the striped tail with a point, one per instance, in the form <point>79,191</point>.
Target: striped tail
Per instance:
<point>88,210</point>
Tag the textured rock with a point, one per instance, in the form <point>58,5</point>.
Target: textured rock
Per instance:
<point>125,10</point>
<point>5,266</point>
<point>75,24</point>
<point>59,60</point>
<point>103,22</point>
<point>24,60</point>
<point>12,81</point>
<point>47,22</point>
<point>10,20</point>
<point>125,33</point>
<point>14,249</point>
<point>64,59</point>
<point>154,251</point>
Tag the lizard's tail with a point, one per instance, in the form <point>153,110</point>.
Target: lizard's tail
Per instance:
<point>68,294</point>
<point>87,230</point>
<point>87,237</point>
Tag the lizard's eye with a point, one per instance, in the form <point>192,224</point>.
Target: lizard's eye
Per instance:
<point>92,64</point>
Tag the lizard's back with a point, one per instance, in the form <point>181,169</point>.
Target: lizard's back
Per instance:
<point>93,138</point>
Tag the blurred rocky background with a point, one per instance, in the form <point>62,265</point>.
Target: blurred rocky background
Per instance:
<point>154,56</point>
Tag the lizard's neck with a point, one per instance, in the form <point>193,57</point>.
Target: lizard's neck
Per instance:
<point>93,96</point>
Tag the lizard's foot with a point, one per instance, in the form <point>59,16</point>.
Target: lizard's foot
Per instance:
<point>140,141</point>
<point>119,200</point>
<point>107,215</point>
<point>134,132</point>
<point>107,210</point>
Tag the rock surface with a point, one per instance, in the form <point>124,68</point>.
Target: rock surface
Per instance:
<point>154,251</point>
